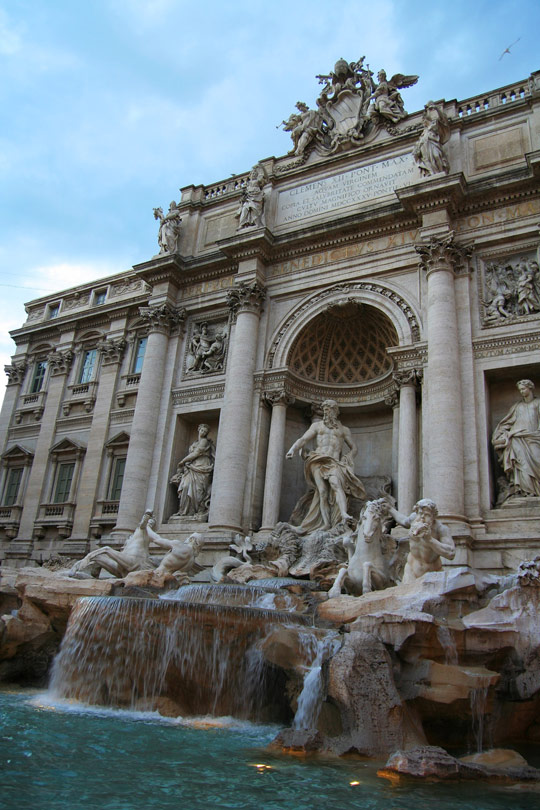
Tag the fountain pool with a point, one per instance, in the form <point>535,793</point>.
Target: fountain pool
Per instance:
<point>69,757</point>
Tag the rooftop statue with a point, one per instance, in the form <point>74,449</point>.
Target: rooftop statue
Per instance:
<point>250,214</point>
<point>343,115</point>
<point>329,470</point>
<point>387,102</point>
<point>517,442</point>
<point>169,228</point>
<point>428,150</point>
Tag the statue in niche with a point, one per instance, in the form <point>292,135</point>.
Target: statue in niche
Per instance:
<point>387,102</point>
<point>250,214</point>
<point>512,290</point>
<point>169,228</point>
<point>516,440</point>
<point>428,151</point>
<point>329,471</point>
<point>429,540</point>
<point>207,351</point>
<point>193,477</point>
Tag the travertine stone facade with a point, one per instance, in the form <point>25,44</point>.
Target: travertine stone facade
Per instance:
<point>390,264</point>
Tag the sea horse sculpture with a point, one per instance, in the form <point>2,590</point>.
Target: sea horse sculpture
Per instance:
<point>368,568</point>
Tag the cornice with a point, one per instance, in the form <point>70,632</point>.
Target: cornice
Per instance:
<point>501,345</point>
<point>198,393</point>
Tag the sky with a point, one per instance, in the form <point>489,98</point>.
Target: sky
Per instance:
<point>109,107</point>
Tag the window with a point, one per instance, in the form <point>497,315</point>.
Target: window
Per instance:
<point>13,484</point>
<point>54,309</point>
<point>63,482</point>
<point>38,376</point>
<point>100,297</point>
<point>87,367</point>
<point>139,355</point>
<point>117,478</point>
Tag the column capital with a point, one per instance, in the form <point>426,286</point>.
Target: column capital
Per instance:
<point>392,400</point>
<point>163,317</point>
<point>410,376</point>
<point>111,350</point>
<point>60,361</point>
<point>278,398</point>
<point>444,253</point>
<point>16,372</point>
<point>246,298</point>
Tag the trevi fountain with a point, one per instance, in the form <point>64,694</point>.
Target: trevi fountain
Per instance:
<point>292,559</point>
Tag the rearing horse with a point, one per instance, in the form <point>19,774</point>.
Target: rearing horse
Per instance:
<point>368,567</point>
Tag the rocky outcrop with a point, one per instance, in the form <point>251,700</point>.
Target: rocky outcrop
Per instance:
<point>434,763</point>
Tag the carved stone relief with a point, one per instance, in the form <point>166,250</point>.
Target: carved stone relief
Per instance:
<point>207,348</point>
<point>511,289</point>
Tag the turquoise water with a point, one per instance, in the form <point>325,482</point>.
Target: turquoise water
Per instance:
<point>63,757</point>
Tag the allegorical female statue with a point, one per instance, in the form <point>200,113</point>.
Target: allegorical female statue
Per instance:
<point>194,477</point>
<point>517,442</point>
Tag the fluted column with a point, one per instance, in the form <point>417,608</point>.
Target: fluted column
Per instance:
<point>442,258</point>
<point>392,400</point>
<point>162,319</point>
<point>408,440</point>
<point>111,351</point>
<point>59,363</point>
<point>245,302</point>
<point>279,400</point>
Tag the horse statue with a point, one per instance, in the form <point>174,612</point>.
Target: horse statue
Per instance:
<point>369,566</point>
<point>134,555</point>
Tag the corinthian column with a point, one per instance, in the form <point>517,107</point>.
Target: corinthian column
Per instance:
<point>161,319</point>
<point>279,400</point>
<point>232,453</point>
<point>441,259</point>
<point>408,440</point>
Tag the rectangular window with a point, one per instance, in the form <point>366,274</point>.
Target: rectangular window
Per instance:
<point>100,297</point>
<point>87,368</point>
<point>63,482</point>
<point>54,309</point>
<point>12,486</point>
<point>38,377</point>
<point>139,355</point>
<point>117,479</point>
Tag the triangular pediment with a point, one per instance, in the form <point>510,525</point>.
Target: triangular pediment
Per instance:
<point>120,440</point>
<point>17,452</point>
<point>67,446</point>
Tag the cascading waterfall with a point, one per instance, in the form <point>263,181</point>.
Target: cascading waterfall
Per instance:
<point>316,650</point>
<point>122,651</point>
<point>227,594</point>
<point>478,698</point>
<point>446,640</point>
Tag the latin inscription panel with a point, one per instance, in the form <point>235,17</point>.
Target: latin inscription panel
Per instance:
<point>346,189</point>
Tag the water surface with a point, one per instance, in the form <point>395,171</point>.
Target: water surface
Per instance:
<point>65,757</point>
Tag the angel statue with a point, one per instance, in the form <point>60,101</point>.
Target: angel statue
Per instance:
<point>387,102</point>
<point>169,228</point>
<point>428,150</point>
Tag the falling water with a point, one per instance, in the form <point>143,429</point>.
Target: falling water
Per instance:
<point>121,651</point>
<point>478,698</point>
<point>316,650</point>
<point>227,594</point>
<point>446,640</point>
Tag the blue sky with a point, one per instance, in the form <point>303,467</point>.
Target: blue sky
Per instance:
<point>108,107</point>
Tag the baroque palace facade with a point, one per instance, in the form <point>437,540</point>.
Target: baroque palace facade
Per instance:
<point>389,262</point>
